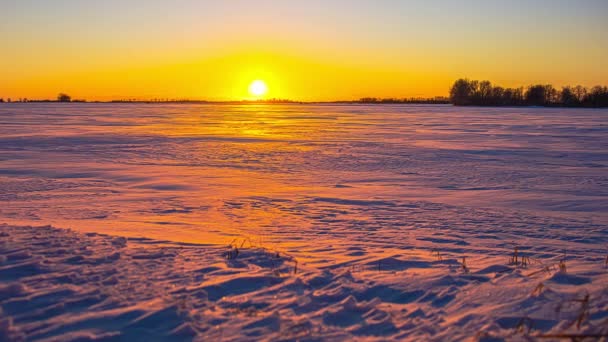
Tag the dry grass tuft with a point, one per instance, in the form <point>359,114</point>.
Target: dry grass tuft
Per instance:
<point>233,250</point>
<point>465,268</point>
<point>519,260</point>
<point>513,260</point>
<point>437,254</point>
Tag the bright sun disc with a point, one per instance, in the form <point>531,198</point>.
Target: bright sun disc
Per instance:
<point>258,88</point>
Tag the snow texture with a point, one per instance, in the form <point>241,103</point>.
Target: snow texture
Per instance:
<point>302,222</point>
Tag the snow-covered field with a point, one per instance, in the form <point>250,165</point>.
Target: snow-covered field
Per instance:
<point>302,222</point>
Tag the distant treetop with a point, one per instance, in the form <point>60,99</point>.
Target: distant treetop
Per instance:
<point>64,98</point>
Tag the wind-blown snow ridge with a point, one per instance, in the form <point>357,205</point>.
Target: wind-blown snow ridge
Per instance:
<point>62,285</point>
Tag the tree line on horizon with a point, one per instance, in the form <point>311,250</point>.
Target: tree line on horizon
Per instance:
<point>411,100</point>
<point>62,97</point>
<point>465,92</point>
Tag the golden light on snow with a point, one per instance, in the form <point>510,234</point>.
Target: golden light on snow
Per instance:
<point>258,88</point>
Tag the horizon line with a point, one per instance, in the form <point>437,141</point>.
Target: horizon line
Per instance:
<point>270,100</point>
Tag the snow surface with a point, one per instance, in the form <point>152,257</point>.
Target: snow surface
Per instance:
<point>302,222</point>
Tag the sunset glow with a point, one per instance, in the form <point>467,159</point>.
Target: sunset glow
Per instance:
<point>289,170</point>
<point>313,50</point>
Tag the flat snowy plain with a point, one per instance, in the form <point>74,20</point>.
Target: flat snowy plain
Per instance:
<point>302,222</point>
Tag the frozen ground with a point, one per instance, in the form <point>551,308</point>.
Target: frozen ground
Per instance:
<point>376,205</point>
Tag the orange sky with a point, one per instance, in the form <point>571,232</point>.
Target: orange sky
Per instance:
<point>311,50</point>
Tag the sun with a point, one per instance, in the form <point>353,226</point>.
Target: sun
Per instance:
<point>258,88</point>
